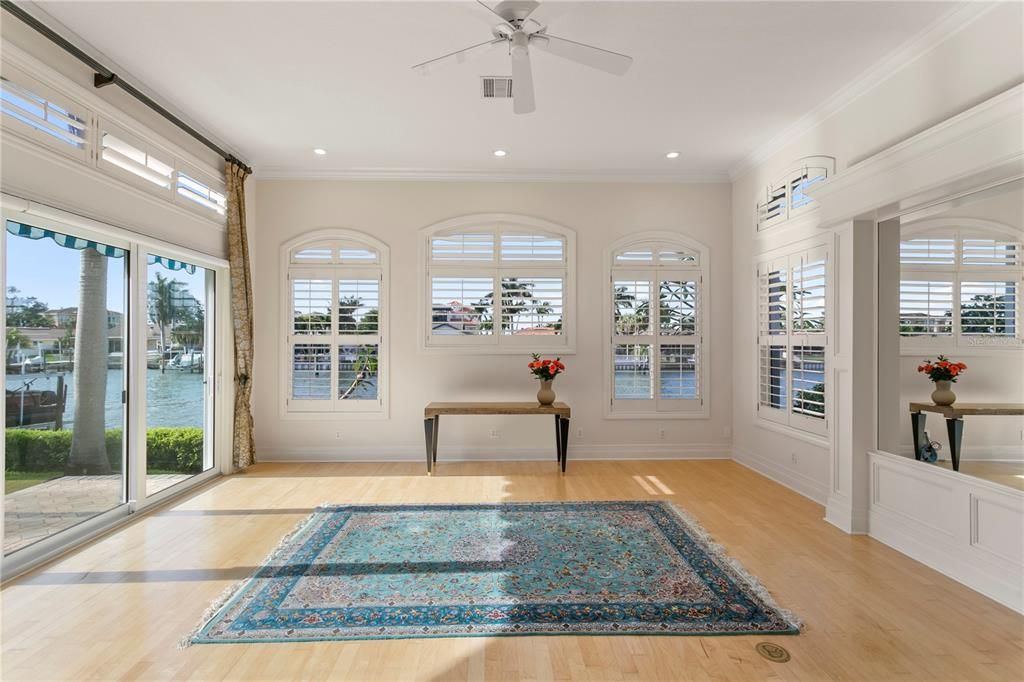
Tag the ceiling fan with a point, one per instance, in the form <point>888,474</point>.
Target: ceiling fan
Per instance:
<point>519,32</point>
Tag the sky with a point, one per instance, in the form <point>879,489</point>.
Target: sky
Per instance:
<point>49,272</point>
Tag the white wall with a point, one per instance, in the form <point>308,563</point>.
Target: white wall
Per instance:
<point>394,212</point>
<point>983,58</point>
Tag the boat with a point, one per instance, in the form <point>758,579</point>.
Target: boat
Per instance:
<point>191,361</point>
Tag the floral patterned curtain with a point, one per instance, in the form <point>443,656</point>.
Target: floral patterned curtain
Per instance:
<point>243,446</point>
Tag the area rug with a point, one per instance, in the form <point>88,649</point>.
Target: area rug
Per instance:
<point>378,572</point>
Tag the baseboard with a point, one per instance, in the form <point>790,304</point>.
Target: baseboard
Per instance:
<point>998,583</point>
<point>795,481</point>
<point>841,514</point>
<point>455,453</point>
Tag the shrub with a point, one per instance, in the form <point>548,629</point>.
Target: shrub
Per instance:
<point>175,449</point>
<point>168,449</point>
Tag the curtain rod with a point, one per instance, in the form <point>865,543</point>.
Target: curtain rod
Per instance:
<point>103,77</point>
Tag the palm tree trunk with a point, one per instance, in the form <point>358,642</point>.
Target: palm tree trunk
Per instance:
<point>88,439</point>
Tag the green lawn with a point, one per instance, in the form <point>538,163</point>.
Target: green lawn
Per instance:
<point>19,480</point>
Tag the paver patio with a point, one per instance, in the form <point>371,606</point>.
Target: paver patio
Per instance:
<point>42,510</point>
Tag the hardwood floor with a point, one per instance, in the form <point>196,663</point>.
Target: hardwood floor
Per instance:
<point>116,609</point>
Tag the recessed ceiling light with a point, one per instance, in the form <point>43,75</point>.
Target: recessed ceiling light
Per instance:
<point>500,152</point>
<point>319,152</point>
<point>672,155</point>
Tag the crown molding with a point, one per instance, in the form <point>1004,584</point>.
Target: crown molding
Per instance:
<point>977,149</point>
<point>943,28</point>
<point>440,175</point>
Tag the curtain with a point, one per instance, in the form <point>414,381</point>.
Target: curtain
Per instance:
<point>243,450</point>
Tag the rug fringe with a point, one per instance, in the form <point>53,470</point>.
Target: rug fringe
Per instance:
<point>231,590</point>
<point>722,555</point>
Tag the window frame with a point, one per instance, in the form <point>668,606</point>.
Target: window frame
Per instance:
<point>655,272</point>
<point>789,339</point>
<point>337,269</point>
<point>497,225</point>
<point>957,274</point>
<point>221,388</point>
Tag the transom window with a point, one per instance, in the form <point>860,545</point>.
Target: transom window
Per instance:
<point>52,118</point>
<point>787,197</point>
<point>960,287</point>
<point>29,106</point>
<point>335,326</point>
<point>655,354</point>
<point>793,340</point>
<point>499,283</point>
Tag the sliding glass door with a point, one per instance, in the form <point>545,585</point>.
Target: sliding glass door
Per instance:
<point>179,371</point>
<point>65,353</point>
<point>111,375</point>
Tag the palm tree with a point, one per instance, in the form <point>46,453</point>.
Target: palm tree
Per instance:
<point>88,439</point>
<point>516,298</point>
<point>164,308</point>
<point>15,340</point>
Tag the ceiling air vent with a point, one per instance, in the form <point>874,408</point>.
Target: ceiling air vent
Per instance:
<point>496,87</point>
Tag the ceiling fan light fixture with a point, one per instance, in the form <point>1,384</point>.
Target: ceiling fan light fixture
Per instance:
<point>672,155</point>
<point>516,32</point>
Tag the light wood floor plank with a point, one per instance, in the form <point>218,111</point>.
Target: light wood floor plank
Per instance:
<point>116,609</point>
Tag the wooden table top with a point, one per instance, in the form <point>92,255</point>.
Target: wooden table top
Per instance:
<point>963,409</point>
<point>484,408</point>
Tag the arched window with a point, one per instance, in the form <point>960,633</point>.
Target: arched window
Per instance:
<point>335,323</point>
<point>960,283</point>
<point>657,317</point>
<point>786,198</point>
<point>530,263</point>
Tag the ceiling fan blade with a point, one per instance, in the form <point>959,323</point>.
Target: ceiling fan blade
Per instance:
<point>531,26</point>
<point>522,83</point>
<point>588,55</point>
<point>460,56</point>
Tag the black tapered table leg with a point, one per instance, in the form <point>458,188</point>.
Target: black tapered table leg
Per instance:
<point>955,431</point>
<point>917,420</point>
<point>437,429</point>
<point>428,435</point>
<point>563,426</point>
<point>558,439</point>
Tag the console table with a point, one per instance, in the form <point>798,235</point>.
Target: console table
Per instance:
<point>954,415</point>
<point>432,422</point>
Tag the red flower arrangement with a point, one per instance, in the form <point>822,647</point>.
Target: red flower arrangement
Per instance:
<point>942,369</point>
<point>547,369</point>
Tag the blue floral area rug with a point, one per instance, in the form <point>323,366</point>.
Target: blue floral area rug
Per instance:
<point>361,572</point>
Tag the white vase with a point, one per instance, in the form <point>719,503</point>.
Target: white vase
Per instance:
<point>943,394</point>
<point>545,396</point>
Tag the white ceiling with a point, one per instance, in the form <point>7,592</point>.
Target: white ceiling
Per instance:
<point>711,80</point>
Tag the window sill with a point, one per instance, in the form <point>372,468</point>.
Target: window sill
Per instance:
<point>334,416</point>
<point>619,416</point>
<point>984,347</point>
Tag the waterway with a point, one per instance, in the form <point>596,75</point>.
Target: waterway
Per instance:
<point>173,398</point>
